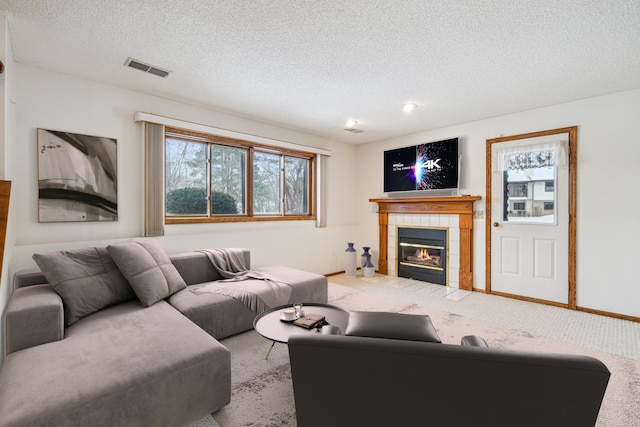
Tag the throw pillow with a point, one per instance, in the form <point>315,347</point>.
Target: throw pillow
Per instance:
<point>86,279</point>
<point>148,270</point>
<point>400,326</point>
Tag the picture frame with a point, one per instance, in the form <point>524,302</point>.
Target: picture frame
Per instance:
<point>77,177</point>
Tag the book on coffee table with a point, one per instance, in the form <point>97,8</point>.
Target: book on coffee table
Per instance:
<point>309,321</point>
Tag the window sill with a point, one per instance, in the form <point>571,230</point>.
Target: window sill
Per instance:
<point>227,219</point>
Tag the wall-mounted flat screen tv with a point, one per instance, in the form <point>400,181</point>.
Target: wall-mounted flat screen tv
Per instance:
<point>429,166</point>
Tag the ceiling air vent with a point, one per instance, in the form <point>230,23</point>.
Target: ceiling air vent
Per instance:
<point>139,65</point>
<point>354,130</point>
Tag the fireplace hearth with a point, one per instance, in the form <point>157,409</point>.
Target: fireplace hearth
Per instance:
<point>422,254</point>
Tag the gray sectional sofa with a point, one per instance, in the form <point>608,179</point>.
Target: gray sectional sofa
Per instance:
<point>151,358</point>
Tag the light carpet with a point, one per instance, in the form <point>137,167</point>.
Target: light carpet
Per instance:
<point>262,394</point>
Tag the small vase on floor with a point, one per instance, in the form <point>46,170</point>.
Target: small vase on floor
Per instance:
<point>363,257</point>
<point>350,261</point>
<point>368,270</point>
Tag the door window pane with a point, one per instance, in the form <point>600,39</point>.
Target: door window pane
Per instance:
<point>529,195</point>
<point>296,177</point>
<point>266,183</point>
<point>185,177</point>
<point>228,185</point>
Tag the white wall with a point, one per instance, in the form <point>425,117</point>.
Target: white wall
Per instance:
<point>36,98</point>
<point>608,173</point>
<point>50,100</point>
<point>608,158</point>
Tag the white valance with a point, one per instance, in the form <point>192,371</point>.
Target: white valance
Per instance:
<point>530,156</point>
<point>197,127</point>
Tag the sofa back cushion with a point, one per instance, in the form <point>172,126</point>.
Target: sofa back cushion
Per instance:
<point>86,279</point>
<point>195,267</point>
<point>148,270</point>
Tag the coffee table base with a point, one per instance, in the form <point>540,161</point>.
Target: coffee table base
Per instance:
<point>269,352</point>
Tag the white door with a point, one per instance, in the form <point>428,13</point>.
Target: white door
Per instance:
<point>530,218</point>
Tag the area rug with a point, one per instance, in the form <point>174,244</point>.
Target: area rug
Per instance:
<point>262,394</point>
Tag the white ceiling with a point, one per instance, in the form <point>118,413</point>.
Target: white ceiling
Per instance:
<point>312,64</point>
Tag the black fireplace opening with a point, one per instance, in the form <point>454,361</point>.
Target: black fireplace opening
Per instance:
<point>422,254</point>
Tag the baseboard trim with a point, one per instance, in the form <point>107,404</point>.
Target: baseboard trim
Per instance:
<point>340,272</point>
<point>609,314</point>
<point>334,274</point>
<point>536,300</point>
<point>578,308</point>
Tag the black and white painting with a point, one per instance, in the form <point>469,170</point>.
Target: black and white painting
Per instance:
<point>77,177</point>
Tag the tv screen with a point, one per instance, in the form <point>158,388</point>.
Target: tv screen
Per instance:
<point>430,166</point>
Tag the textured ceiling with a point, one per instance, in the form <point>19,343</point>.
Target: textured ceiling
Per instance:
<point>311,65</point>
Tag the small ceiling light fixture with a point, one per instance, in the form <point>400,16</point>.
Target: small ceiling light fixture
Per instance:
<point>350,126</point>
<point>409,107</point>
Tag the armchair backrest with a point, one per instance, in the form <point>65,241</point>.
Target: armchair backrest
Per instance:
<point>347,381</point>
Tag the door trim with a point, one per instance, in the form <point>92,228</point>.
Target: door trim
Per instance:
<point>573,156</point>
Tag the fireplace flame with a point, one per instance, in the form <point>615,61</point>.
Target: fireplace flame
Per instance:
<point>422,254</point>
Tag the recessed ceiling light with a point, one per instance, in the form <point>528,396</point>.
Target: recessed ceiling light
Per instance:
<point>350,126</point>
<point>409,107</point>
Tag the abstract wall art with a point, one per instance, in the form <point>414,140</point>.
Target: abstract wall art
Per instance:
<point>77,177</point>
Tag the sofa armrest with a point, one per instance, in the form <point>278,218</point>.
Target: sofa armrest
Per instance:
<point>474,340</point>
<point>34,316</point>
<point>28,277</point>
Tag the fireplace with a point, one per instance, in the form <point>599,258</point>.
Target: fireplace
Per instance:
<point>455,213</point>
<point>422,254</point>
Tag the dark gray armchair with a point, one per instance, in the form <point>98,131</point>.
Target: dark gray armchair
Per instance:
<point>362,381</point>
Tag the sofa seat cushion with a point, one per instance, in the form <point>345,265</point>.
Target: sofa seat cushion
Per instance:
<point>222,316</point>
<point>305,286</point>
<point>124,365</point>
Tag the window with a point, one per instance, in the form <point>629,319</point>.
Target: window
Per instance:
<point>548,187</point>
<point>517,190</point>
<point>518,206</point>
<point>228,180</point>
<point>210,178</point>
<point>296,184</point>
<point>548,206</point>
<point>186,177</point>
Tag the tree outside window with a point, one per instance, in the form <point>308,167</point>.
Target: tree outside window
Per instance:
<point>296,174</point>
<point>266,183</point>
<point>228,180</point>
<point>186,177</point>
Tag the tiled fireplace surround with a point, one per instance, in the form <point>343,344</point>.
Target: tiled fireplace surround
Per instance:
<point>454,213</point>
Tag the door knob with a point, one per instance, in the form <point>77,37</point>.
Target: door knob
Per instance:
<point>495,224</point>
